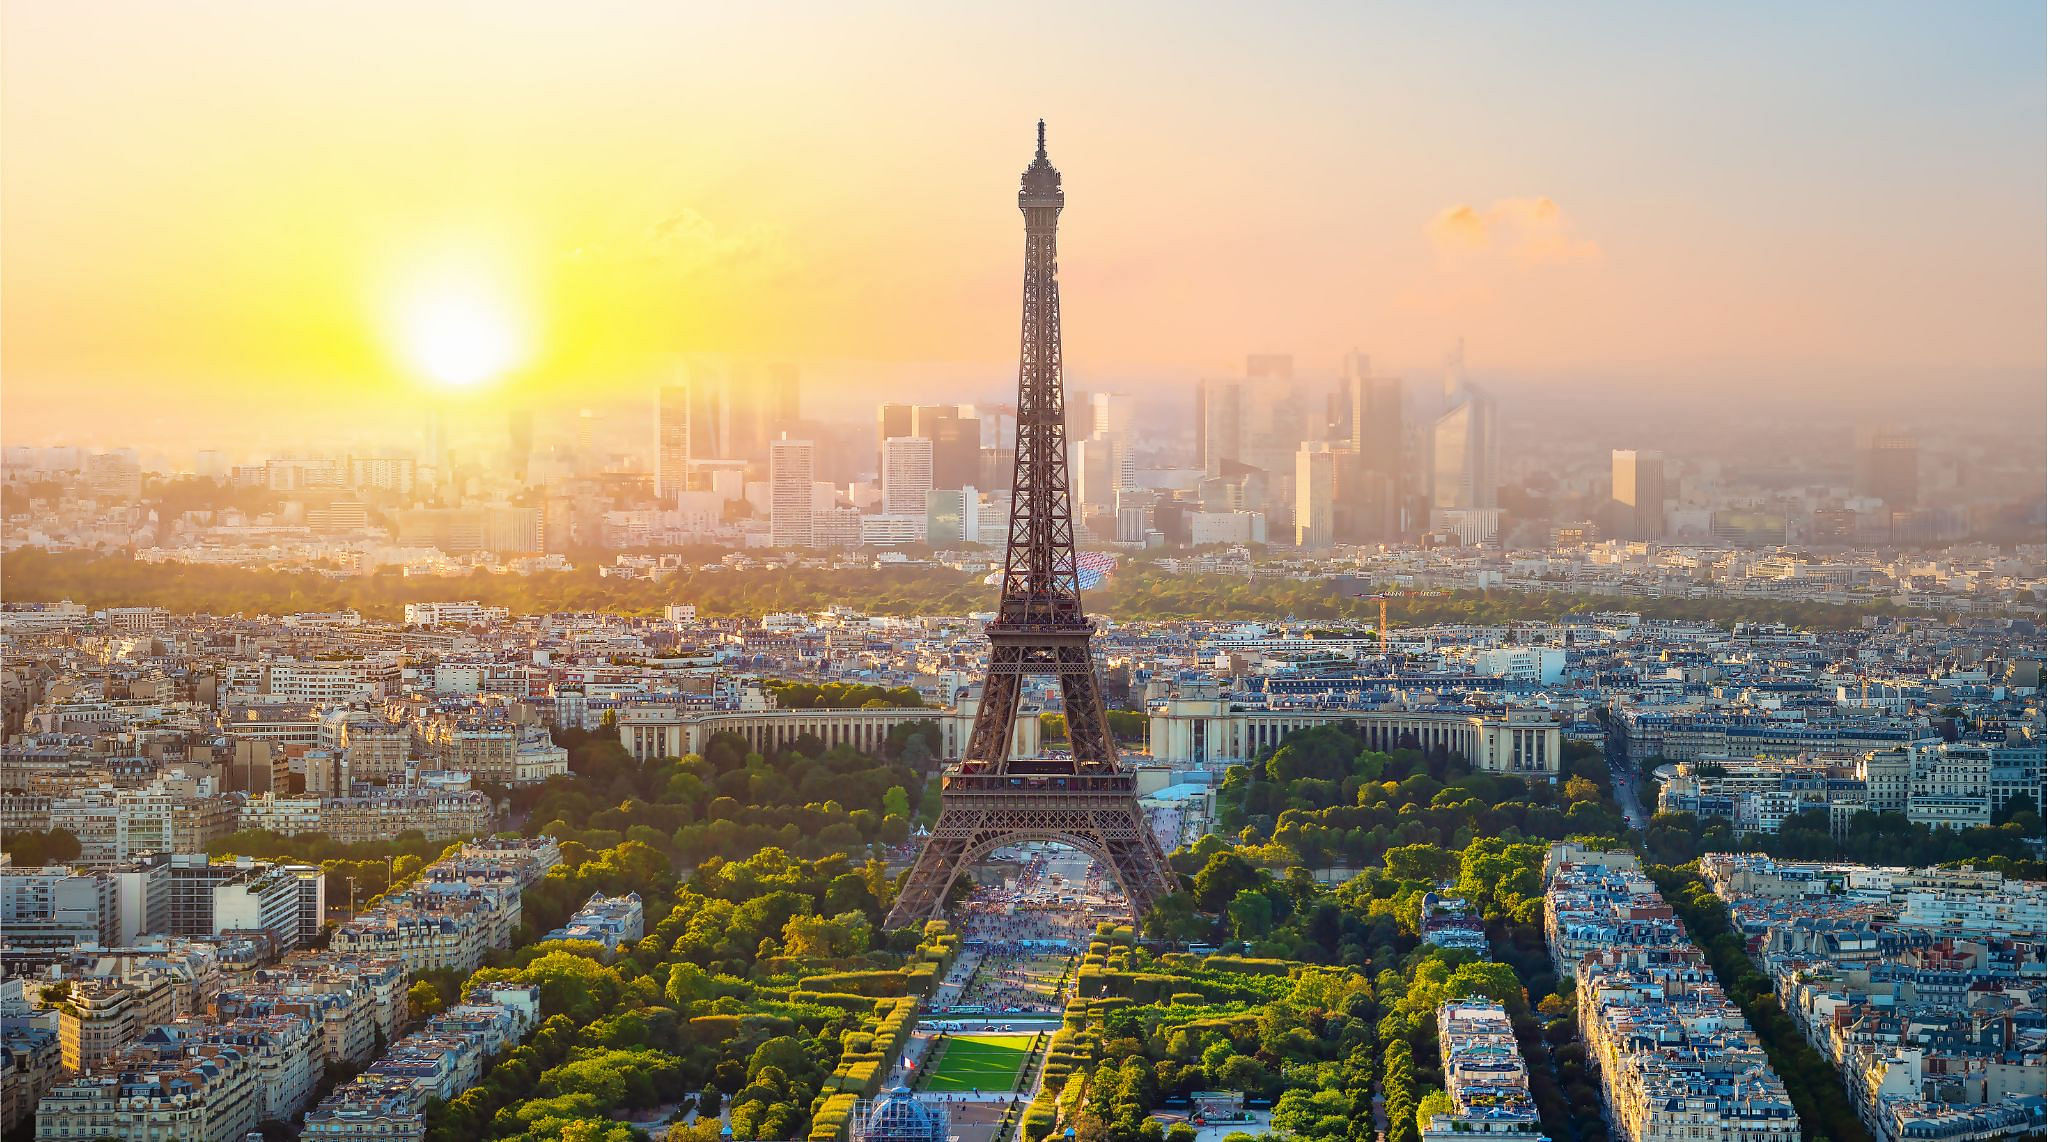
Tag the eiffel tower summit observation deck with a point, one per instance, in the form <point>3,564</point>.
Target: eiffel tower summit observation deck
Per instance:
<point>1085,799</point>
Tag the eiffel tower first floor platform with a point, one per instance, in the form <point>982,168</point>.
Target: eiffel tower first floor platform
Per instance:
<point>1097,814</point>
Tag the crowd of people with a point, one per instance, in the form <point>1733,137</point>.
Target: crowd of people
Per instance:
<point>1026,929</point>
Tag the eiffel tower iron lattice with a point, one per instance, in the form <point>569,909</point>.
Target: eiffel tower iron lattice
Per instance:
<point>1085,800</point>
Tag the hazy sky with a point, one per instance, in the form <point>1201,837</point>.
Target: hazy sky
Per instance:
<point>216,214</point>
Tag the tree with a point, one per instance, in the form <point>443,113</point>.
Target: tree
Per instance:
<point>896,801</point>
<point>1434,1103</point>
<point>1220,880</point>
<point>423,999</point>
<point>1431,863</point>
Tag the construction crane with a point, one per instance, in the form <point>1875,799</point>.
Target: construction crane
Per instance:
<point>1382,600</point>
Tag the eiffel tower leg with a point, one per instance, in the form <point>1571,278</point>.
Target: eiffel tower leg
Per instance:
<point>995,723</point>
<point>941,860</point>
<point>1087,722</point>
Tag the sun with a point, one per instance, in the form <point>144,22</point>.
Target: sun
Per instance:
<point>459,328</point>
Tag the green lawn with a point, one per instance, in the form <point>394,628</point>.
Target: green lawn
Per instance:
<point>979,1062</point>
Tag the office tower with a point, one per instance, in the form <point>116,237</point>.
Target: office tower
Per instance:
<point>891,421</point>
<point>997,465</point>
<point>956,443</point>
<point>519,441</point>
<point>395,474</point>
<point>790,464</point>
<point>1219,424</point>
<point>1465,454</point>
<point>953,516</point>
<point>1111,414</point>
<point>1103,468</point>
<point>1888,467</point>
<point>906,474</point>
<point>690,419</point>
<point>671,442</point>
<point>437,448</point>
<point>114,475</point>
<point>1465,459</point>
<point>586,441</point>
<point>1639,493</point>
<point>1372,487</point>
<point>1315,492</point>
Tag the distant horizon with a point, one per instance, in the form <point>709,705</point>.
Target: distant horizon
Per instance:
<point>222,222</point>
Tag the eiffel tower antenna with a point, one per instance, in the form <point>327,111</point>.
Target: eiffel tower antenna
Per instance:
<point>990,799</point>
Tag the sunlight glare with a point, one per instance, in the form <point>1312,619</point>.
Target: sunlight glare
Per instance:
<point>460,331</point>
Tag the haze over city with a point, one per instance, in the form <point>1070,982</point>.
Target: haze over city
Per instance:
<point>215,212</point>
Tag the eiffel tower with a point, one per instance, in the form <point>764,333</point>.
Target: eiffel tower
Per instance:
<point>989,800</point>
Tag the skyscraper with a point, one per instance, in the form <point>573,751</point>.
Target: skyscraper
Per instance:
<point>1315,491</point>
<point>1219,423</point>
<point>672,444</point>
<point>1888,467</point>
<point>1103,467</point>
<point>1465,456</point>
<point>956,443</point>
<point>1639,494</point>
<point>791,464</point>
<point>891,420</point>
<point>1465,459</point>
<point>1372,490</point>
<point>1111,414</point>
<point>519,441</point>
<point>906,474</point>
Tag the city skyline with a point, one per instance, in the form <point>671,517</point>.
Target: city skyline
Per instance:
<point>575,213</point>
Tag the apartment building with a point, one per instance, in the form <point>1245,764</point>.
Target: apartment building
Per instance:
<point>1484,1076</point>
<point>385,813</point>
<point>613,921</point>
<point>56,907</point>
<point>447,1056</point>
<point>161,1089</point>
<point>1677,1062</point>
<point>1921,985</point>
<point>31,1062</point>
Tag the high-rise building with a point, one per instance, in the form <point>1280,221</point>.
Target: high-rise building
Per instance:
<point>1315,491</point>
<point>891,421</point>
<point>1465,452</point>
<point>689,428</point>
<point>1103,466</point>
<point>1372,490</point>
<point>956,443</point>
<point>906,474</point>
<point>1111,414</point>
<point>1888,468</point>
<point>519,441</point>
<point>114,475</point>
<point>1219,423</point>
<point>1639,493</point>
<point>790,467</point>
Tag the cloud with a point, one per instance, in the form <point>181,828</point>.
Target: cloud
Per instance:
<point>1521,231</point>
<point>687,244</point>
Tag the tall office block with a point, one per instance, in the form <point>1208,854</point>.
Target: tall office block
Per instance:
<point>1639,493</point>
<point>1372,486</point>
<point>1465,453</point>
<point>906,474</point>
<point>1315,494</point>
<point>1888,467</point>
<point>891,421</point>
<point>790,467</point>
<point>1219,423</point>
<point>956,443</point>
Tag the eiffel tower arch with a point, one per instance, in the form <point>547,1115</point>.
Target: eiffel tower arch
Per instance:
<point>1086,799</point>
